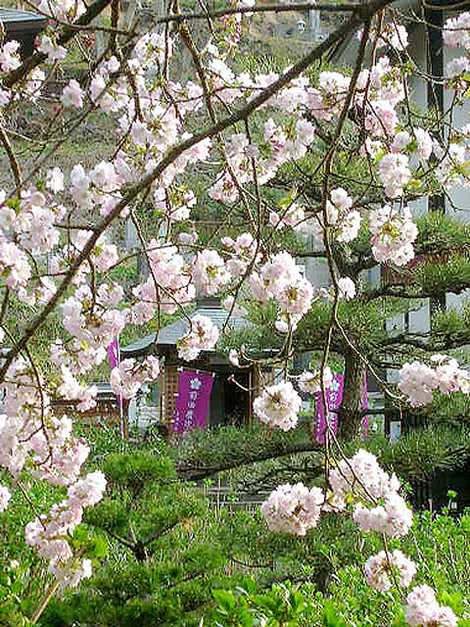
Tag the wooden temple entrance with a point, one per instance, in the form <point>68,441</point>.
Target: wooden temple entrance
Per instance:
<point>233,389</point>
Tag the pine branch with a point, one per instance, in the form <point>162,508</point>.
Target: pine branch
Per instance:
<point>190,472</point>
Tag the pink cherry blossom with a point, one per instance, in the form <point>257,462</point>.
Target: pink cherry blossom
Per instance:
<point>210,274</point>
<point>378,570</point>
<point>292,217</point>
<point>393,234</point>
<point>346,288</point>
<point>423,610</point>
<point>72,95</point>
<point>53,51</point>
<point>127,378</point>
<point>362,476</point>
<point>88,491</point>
<point>202,336</point>
<point>278,406</point>
<point>9,56</point>
<point>394,173</point>
<point>5,497</point>
<point>293,509</point>
<point>394,518</point>
<point>382,120</point>
<point>419,380</point>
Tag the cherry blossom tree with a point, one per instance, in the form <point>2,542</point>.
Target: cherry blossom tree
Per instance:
<point>337,157</point>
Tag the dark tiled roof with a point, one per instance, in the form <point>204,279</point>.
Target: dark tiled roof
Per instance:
<point>169,335</point>
<point>139,347</point>
<point>21,20</point>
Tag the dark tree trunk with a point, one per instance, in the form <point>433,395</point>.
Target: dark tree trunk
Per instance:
<point>350,411</point>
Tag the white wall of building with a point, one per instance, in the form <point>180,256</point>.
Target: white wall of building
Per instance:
<point>418,320</point>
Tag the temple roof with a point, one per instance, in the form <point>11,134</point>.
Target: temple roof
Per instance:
<point>14,20</point>
<point>169,335</point>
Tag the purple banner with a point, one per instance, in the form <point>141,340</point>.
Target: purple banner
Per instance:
<point>113,353</point>
<point>334,396</point>
<point>192,403</point>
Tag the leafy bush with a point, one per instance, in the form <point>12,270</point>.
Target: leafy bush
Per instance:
<point>164,556</point>
<point>440,544</point>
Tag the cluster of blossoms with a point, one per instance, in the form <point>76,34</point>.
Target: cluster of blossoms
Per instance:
<point>10,56</point>
<point>202,336</point>
<point>391,34</point>
<point>380,568</point>
<point>175,202</point>
<point>404,141</point>
<point>98,187</point>
<point>378,505</point>
<point>243,253</point>
<point>158,122</point>
<point>127,378</point>
<point>168,286</point>
<point>281,144</point>
<point>210,274</point>
<point>380,89</point>
<point>341,219</point>
<point>49,534</point>
<point>281,280</point>
<point>456,35</point>
<point>392,235</point>
<point>88,349</point>
<point>419,380</point>
<point>65,10</point>
<point>346,288</point>
<point>393,518</point>
<point>71,389</point>
<point>28,230</point>
<point>327,100</point>
<point>453,160</point>
<point>346,221</point>
<point>278,406</point>
<point>51,49</point>
<point>293,509</point>
<point>32,437</point>
<point>395,173</point>
<point>103,256</point>
<point>92,323</point>
<point>423,610</point>
<point>5,497</point>
<point>72,95</point>
<point>10,60</point>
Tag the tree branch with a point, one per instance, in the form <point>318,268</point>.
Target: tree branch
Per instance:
<point>242,114</point>
<point>193,473</point>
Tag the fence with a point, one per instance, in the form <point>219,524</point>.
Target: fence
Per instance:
<point>221,496</point>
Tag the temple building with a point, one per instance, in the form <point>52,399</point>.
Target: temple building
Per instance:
<point>233,389</point>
